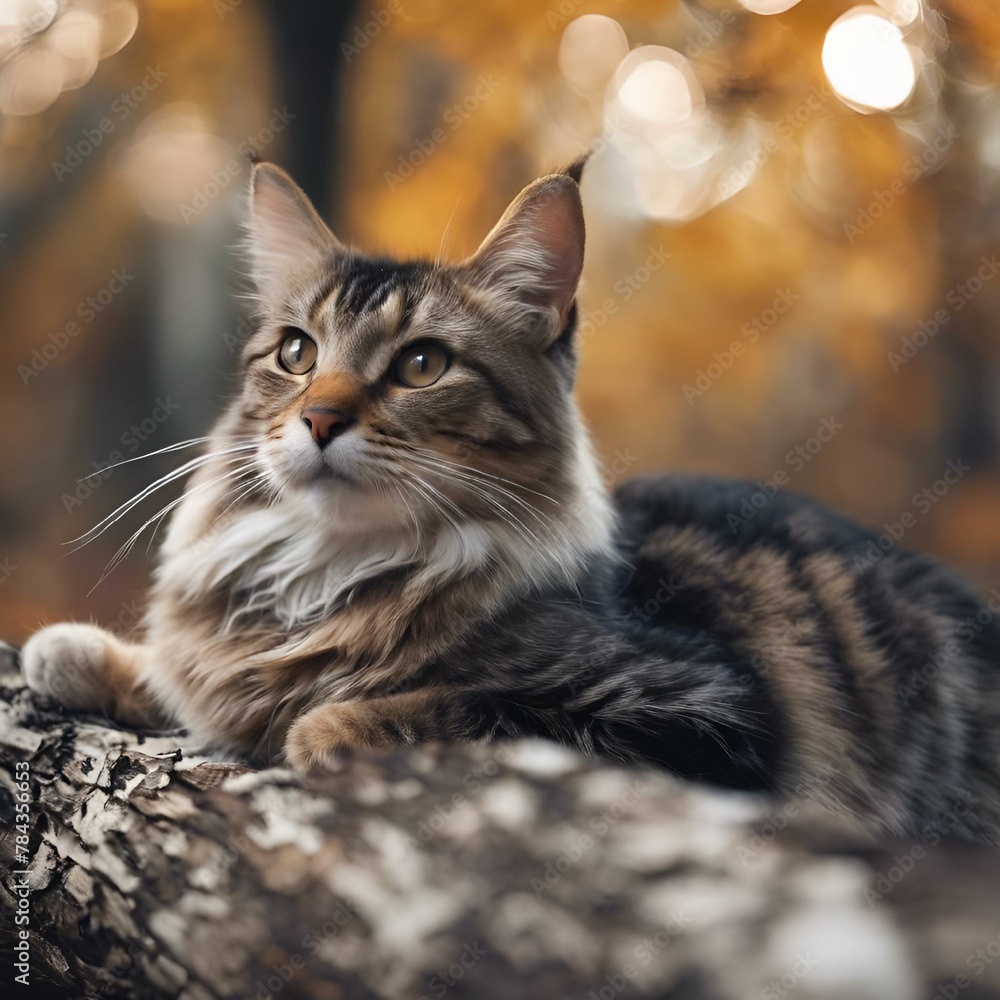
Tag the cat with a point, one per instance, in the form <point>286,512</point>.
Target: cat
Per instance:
<point>398,533</point>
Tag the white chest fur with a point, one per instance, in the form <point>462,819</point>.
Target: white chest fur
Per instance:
<point>299,560</point>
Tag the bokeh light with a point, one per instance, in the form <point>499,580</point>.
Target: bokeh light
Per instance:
<point>49,48</point>
<point>657,85</point>
<point>118,24</point>
<point>32,82</point>
<point>768,6</point>
<point>76,36</point>
<point>901,12</point>
<point>591,48</point>
<point>867,61</point>
<point>170,159</point>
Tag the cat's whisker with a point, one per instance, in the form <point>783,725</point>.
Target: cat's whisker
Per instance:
<point>229,474</point>
<point>482,488</point>
<point>446,233</point>
<point>506,515</point>
<point>257,480</point>
<point>411,515</point>
<point>179,446</point>
<point>434,456</point>
<point>425,490</point>
<point>388,480</point>
<point>239,474</point>
<point>190,466</point>
<point>445,500</point>
<point>125,549</point>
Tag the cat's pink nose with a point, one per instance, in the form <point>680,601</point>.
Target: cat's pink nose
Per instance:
<point>325,424</point>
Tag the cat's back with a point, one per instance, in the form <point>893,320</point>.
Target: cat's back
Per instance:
<point>862,644</point>
<point>734,513</point>
<point>720,519</point>
<point>708,533</point>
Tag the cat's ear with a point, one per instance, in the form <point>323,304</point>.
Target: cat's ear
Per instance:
<point>287,236</point>
<point>535,252</point>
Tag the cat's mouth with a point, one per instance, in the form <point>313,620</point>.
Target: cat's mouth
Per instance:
<point>294,467</point>
<point>328,472</point>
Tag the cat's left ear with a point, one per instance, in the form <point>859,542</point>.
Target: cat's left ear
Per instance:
<point>288,239</point>
<point>535,252</point>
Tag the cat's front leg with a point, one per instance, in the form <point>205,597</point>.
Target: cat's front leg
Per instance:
<point>406,719</point>
<point>87,668</point>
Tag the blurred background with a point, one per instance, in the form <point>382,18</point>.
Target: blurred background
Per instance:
<point>792,214</point>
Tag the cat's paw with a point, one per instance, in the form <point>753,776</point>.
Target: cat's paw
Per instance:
<point>323,738</point>
<point>68,663</point>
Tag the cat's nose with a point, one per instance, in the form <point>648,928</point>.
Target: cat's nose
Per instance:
<point>325,424</point>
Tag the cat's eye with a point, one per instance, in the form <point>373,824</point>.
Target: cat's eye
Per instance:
<point>421,365</point>
<point>297,353</point>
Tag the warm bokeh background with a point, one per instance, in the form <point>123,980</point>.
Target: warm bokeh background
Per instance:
<point>818,190</point>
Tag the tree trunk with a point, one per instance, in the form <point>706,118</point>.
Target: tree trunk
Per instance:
<point>506,871</point>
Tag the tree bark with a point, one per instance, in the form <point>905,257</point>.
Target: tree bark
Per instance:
<point>480,871</point>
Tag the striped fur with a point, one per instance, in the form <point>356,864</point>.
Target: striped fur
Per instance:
<point>445,564</point>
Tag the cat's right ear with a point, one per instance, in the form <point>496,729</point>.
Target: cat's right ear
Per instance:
<point>534,254</point>
<point>288,239</point>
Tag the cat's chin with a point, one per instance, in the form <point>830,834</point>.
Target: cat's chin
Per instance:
<point>349,504</point>
<point>315,476</point>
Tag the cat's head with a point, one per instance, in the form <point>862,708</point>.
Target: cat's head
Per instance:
<point>427,389</point>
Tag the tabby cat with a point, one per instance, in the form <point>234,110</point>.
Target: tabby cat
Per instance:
<point>398,533</point>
